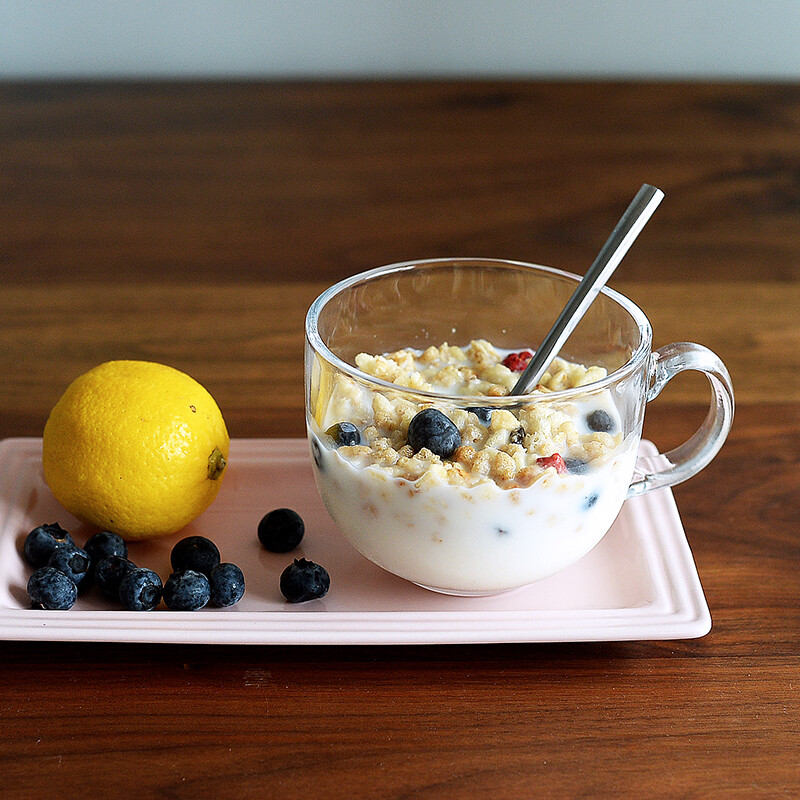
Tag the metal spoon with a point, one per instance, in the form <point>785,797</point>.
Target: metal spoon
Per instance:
<point>613,251</point>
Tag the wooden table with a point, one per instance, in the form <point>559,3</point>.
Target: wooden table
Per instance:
<point>194,223</point>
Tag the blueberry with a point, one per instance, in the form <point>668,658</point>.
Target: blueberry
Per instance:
<point>41,541</point>
<point>227,585</point>
<point>186,591</point>
<point>517,436</point>
<point>600,421</point>
<point>432,429</point>
<point>109,572</point>
<point>345,434</point>
<point>281,530</point>
<point>140,590</point>
<point>51,589</point>
<point>196,553</point>
<point>105,544</point>
<point>577,466</point>
<point>591,500</point>
<point>304,580</point>
<point>73,561</point>
<point>483,414</point>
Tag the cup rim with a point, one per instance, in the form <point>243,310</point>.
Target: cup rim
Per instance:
<point>318,345</point>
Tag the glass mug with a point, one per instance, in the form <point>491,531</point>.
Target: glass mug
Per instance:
<point>481,536</point>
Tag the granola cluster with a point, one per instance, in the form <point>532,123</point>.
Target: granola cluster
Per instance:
<point>511,447</point>
<point>477,369</point>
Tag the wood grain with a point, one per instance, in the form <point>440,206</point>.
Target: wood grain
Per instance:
<point>194,224</point>
<point>196,181</point>
<point>245,342</point>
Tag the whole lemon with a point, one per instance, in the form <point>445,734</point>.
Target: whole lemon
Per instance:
<point>135,447</point>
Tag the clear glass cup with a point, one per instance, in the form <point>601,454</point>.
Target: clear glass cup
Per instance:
<point>466,528</point>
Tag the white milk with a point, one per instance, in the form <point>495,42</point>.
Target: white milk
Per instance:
<point>477,540</point>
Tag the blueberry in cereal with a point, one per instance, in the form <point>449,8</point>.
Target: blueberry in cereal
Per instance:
<point>433,430</point>
<point>600,421</point>
<point>577,466</point>
<point>345,434</point>
<point>517,436</point>
<point>591,500</point>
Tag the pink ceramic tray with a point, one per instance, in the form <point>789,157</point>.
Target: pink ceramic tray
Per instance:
<point>640,582</point>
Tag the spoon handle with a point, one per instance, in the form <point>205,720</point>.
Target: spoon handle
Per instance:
<point>613,251</point>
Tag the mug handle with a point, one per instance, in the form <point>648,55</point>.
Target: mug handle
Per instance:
<point>696,452</point>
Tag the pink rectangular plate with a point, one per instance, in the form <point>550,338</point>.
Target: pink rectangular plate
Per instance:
<point>640,582</point>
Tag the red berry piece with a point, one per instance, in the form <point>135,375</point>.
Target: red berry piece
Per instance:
<point>554,461</point>
<point>517,362</point>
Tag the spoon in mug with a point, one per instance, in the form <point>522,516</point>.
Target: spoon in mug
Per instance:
<point>613,251</point>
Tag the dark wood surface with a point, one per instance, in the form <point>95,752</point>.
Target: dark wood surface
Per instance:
<point>194,223</point>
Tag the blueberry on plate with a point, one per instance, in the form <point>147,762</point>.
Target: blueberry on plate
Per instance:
<point>432,429</point>
<point>196,553</point>
<point>104,544</point>
<point>344,434</point>
<point>304,580</point>
<point>109,572</point>
<point>600,421</point>
<point>186,591</point>
<point>42,540</point>
<point>73,561</point>
<point>281,530</point>
<point>227,585</point>
<point>483,414</point>
<point>140,590</point>
<point>51,589</point>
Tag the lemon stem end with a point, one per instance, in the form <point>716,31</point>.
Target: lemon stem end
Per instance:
<point>216,464</point>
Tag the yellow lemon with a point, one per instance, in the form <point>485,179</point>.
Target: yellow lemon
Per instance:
<point>136,448</point>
